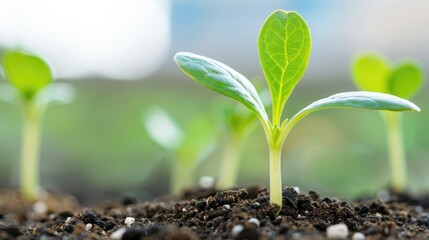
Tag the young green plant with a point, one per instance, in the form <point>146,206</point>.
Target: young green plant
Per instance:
<point>284,50</point>
<point>373,72</point>
<point>188,147</point>
<point>31,89</point>
<point>237,125</point>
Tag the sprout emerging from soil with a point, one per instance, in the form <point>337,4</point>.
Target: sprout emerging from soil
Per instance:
<point>188,147</point>
<point>373,72</point>
<point>238,124</point>
<point>284,51</point>
<point>31,89</point>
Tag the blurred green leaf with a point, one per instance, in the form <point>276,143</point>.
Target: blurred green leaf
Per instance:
<point>406,79</point>
<point>163,129</point>
<point>222,79</point>
<point>26,72</point>
<point>284,51</point>
<point>370,72</point>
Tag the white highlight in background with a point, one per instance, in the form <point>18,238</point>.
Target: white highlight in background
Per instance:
<point>122,39</point>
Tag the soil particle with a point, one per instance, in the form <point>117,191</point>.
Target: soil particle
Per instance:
<point>207,214</point>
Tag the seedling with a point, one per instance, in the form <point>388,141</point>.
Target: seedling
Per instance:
<point>284,50</point>
<point>373,72</point>
<point>31,89</point>
<point>237,126</point>
<point>188,147</point>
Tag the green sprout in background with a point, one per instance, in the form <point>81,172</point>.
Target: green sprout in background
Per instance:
<point>30,88</point>
<point>237,126</point>
<point>189,146</point>
<point>373,72</point>
<point>284,50</point>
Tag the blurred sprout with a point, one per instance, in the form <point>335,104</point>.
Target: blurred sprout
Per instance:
<point>373,72</point>
<point>237,124</point>
<point>188,146</point>
<point>31,89</point>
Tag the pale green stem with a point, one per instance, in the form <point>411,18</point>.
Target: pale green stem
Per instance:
<point>396,150</point>
<point>275,175</point>
<point>228,170</point>
<point>182,178</point>
<point>29,168</point>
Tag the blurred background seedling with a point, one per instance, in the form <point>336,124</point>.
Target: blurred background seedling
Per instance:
<point>31,88</point>
<point>372,71</point>
<point>236,126</point>
<point>187,146</point>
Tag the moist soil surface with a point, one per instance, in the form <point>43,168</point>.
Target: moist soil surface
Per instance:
<point>234,214</point>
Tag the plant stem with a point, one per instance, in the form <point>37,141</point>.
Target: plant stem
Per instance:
<point>182,178</point>
<point>396,150</point>
<point>275,175</point>
<point>227,175</point>
<point>29,169</point>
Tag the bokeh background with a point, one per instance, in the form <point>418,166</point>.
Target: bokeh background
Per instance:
<point>118,57</point>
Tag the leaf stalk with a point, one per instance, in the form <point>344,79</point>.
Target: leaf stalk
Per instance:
<point>29,169</point>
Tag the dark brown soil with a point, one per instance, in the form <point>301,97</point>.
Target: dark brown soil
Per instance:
<point>233,214</point>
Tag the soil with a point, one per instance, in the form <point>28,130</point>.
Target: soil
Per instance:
<point>234,214</point>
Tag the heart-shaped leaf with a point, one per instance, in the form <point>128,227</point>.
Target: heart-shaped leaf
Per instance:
<point>222,79</point>
<point>370,72</point>
<point>406,79</point>
<point>284,50</point>
<point>26,72</point>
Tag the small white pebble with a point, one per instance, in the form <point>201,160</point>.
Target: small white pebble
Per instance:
<point>68,220</point>
<point>129,221</point>
<point>358,236</point>
<point>383,195</point>
<point>227,206</point>
<point>88,227</point>
<point>378,215</point>
<point>418,209</point>
<point>206,182</point>
<point>255,221</point>
<point>237,230</point>
<point>184,210</point>
<point>337,231</point>
<point>40,207</point>
<point>117,235</point>
<point>297,189</point>
<point>257,204</point>
<point>296,235</point>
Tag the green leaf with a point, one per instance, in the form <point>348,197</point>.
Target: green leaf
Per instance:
<point>361,100</point>
<point>28,73</point>
<point>406,79</point>
<point>163,129</point>
<point>284,50</point>
<point>357,100</point>
<point>370,72</point>
<point>222,79</point>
